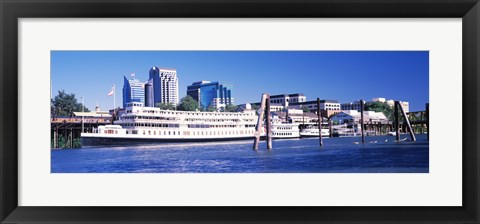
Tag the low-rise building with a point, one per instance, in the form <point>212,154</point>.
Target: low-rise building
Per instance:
<point>287,99</point>
<point>297,116</point>
<point>328,108</point>
<point>354,116</point>
<point>332,105</point>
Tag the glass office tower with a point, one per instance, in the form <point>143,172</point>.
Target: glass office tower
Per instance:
<point>133,91</point>
<point>213,94</point>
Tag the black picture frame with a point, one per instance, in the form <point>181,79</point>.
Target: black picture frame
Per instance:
<point>11,11</point>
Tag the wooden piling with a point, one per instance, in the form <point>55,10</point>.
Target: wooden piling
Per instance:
<point>397,125</point>
<point>65,133</point>
<point>362,105</point>
<point>407,121</point>
<point>330,129</point>
<point>54,139</point>
<point>56,136</point>
<point>269,123</point>
<point>259,126</point>
<point>320,119</point>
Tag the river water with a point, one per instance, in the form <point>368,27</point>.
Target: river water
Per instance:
<point>380,154</point>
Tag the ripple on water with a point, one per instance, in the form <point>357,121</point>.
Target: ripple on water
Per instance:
<point>381,154</point>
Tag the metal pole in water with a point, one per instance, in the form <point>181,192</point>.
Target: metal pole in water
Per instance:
<point>362,126</point>
<point>319,122</point>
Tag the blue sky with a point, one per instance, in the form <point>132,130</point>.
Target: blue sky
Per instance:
<point>339,75</point>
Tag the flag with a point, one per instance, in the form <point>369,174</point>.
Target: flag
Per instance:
<point>111,91</point>
<point>133,74</point>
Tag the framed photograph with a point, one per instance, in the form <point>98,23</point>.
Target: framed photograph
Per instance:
<point>250,112</point>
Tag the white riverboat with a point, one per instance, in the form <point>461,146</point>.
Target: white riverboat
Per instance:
<point>312,131</point>
<point>285,130</point>
<point>139,125</point>
<point>282,129</point>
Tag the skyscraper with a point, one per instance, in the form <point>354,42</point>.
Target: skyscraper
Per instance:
<point>133,91</point>
<point>212,94</point>
<point>164,85</point>
<point>149,94</point>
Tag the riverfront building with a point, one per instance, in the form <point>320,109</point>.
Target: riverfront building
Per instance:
<point>333,105</point>
<point>208,93</point>
<point>327,107</point>
<point>164,85</point>
<point>281,102</point>
<point>133,91</point>
<point>297,116</point>
<point>353,116</point>
<point>286,99</point>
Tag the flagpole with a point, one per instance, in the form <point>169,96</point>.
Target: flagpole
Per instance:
<point>114,105</point>
<point>83,111</point>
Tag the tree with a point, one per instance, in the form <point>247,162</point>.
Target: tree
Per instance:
<point>65,104</point>
<point>255,106</point>
<point>165,106</point>
<point>231,108</point>
<point>305,108</point>
<point>189,104</point>
<point>380,107</point>
<point>211,109</point>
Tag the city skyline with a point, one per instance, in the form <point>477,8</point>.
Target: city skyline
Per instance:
<point>345,76</point>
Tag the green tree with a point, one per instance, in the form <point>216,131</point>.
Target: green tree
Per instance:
<point>165,106</point>
<point>231,108</point>
<point>211,109</point>
<point>380,107</point>
<point>255,106</point>
<point>62,142</point>
<point>65,104</point>
<point>189,104</point>
<point>77,143</point>
<point>305,108</point>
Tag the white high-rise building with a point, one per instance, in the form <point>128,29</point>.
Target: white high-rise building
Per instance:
<point>165,85</point>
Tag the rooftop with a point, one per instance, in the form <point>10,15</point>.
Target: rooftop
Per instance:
<point>314,101</point>
<point>285,95</point>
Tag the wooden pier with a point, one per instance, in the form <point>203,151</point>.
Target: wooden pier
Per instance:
<point>419,121</point>
<point>70,128</point>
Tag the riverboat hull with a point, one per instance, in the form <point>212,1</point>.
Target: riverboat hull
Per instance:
<point>90,141</point>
